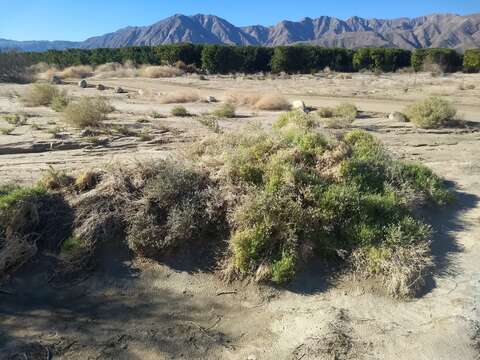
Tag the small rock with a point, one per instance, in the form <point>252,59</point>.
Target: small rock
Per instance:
<point>251,357</point>
<point>119,90</point>
<point>211,99</point>
<point>100,87</point>
<point>397,117</point>
<point>141,92</point>
<point>298,105</point>
<point>56,80</point>
<point>83,84</point>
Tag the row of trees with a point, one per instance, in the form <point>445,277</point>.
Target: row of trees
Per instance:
<point>250,59</point>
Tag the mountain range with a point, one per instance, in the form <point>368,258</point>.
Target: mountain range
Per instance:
<point>437,30</point>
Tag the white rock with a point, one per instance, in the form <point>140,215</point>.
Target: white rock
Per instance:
<point>211,99</point>
<point>397,117</point>
<point>298,105</point>
<point>83,83</point>
<point>251,357</point>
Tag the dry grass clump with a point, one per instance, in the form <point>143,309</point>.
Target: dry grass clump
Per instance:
<point>30,219</point>
<point>16,119</point>
<point>87,112</point>
<point>116,70</point>
<point>257,101</point>
<point>180,97</point>
<point>431,113</point>
<point>272,103</point>
<point>87,180</point>
<point>162,71</point>
<point>40,95</point>
<point>225,110</point>
<point>76,72</point>
<point>44,72</point>
<point>53,179</point>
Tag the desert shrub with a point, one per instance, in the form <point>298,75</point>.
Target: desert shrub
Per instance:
<point>160,71</point>
<point>225,110</point>
<point>179,97</point>
<point>60,101</point>
<point>211,123</point>
<point>432,112</point>
<point>177,211</point>
<point>306,196</point>
<point>31,219</point>
<point>326,112</point>
<point>272,102</point>
<point>346,111</point>
<point>87,112</point>
<point>179,111</point>
<point>339,117</point>
<point>40,95</point>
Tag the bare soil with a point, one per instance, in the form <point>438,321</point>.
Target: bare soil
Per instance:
<point>127,308</point>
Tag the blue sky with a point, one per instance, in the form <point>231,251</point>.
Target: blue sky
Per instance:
<point>80,19</point>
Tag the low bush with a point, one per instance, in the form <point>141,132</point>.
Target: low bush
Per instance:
<point>15,119</point>
<point>431,113</point>
<point>226,110</point>
<point>87,112</point>
<point>273,102</point>
<point>40,95</point>
<point>60,101</point>
<point>179,111</point>
<point>339,117</point>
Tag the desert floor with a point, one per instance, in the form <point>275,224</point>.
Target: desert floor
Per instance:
<point>131,309</point>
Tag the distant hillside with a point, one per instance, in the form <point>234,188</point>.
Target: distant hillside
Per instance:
<point>438,30</point>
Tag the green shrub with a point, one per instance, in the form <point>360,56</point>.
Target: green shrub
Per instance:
<point>306,196</point>
<point>436,60</point>
<point>179,111</point>
<point>226,110</point>
<point>432,112</point>
<point>87,112</point>
<point>15,119</point>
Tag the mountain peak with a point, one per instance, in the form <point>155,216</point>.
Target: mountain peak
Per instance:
<point>425,31</point>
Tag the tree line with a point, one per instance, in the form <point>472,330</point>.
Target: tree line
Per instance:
<point>223,59</point>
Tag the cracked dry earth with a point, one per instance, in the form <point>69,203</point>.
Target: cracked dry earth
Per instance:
<point>132,309</point>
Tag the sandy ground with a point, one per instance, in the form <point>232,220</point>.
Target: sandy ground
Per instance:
<point>129,309</point>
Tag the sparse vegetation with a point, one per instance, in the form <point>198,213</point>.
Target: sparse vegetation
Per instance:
<point>87,112</point>
<point>54,179</point>
<point>179,111</point>
<point>15,119</point>
<point>432,112</point>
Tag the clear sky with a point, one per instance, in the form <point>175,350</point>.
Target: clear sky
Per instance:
<point>80,19</point>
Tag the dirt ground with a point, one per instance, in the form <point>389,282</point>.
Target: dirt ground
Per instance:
<point>132,309</point>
